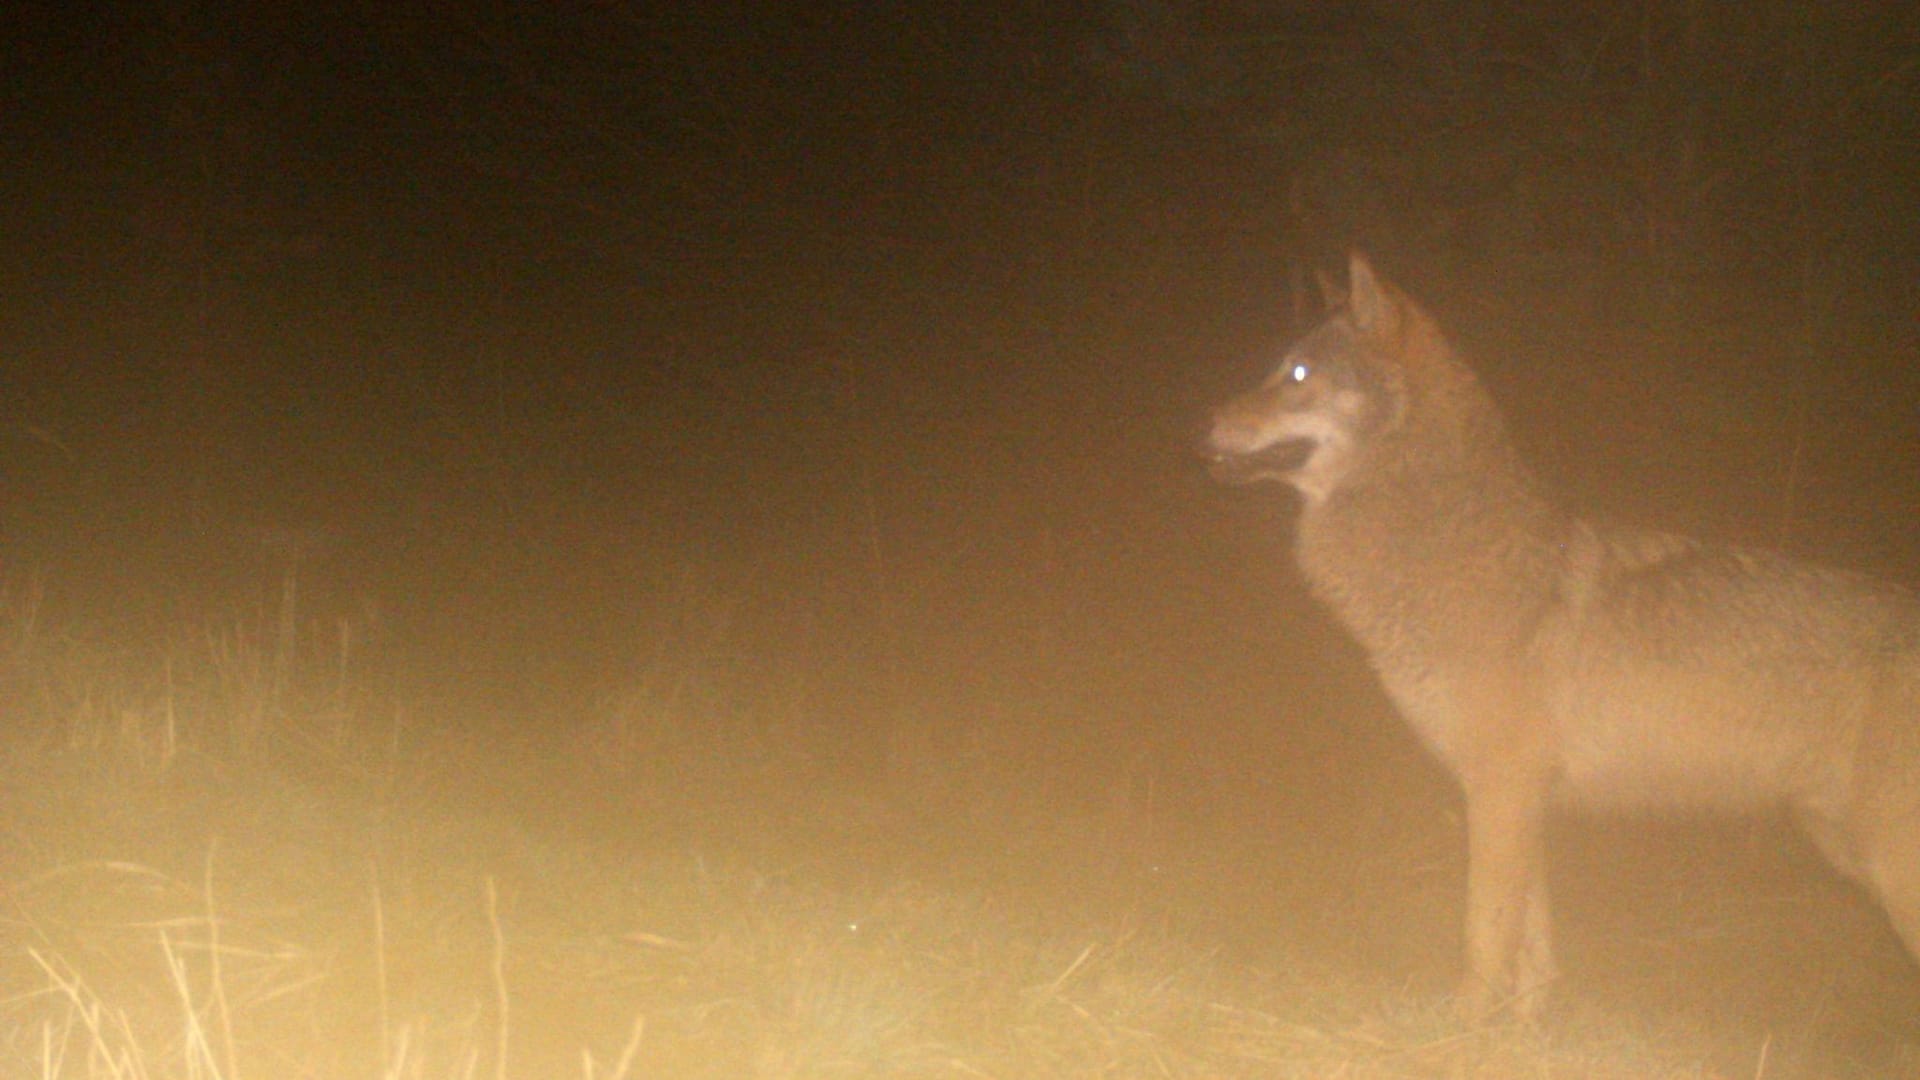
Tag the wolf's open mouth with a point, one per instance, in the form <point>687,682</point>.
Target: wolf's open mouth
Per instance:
<point>1275,462</point>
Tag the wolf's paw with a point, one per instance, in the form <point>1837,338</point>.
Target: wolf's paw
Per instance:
<point>1477,1003</point>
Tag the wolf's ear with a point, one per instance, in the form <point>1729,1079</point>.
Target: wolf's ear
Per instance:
<point>1332,296</point>
<point>1372,305</point>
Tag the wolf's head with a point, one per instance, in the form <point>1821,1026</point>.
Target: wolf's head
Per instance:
<point>1337,395</point>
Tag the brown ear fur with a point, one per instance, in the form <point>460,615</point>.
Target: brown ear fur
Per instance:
<point>1373,303</point>
<point>1332,294</point>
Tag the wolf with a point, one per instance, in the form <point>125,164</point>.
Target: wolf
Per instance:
<point>1551,661</point>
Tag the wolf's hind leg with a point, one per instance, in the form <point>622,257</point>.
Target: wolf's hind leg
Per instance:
<point>1875,841</point>
<point>1892,871</point>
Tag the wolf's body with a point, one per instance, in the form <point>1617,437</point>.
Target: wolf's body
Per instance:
<point>1545,659</point>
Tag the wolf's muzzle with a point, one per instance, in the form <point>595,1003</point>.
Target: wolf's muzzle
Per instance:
<point>1275,462</point>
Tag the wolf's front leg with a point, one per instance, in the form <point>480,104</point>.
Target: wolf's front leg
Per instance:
<point>1534,969</point>
<point>1509,957</point>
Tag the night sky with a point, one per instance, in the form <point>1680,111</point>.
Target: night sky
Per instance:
<point>893,329</point>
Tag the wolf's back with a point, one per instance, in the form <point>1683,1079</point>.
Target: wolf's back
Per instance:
<point>1680,672</point>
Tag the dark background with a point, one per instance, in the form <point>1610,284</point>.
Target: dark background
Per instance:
<point>859,351</point>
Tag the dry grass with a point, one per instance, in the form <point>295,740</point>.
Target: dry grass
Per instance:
<point>678,968</point>
<point>218,867</point>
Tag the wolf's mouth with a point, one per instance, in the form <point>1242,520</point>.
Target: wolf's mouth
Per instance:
<point>1275,462</point>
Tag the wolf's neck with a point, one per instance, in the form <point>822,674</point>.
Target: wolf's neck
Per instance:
<point>1435,546</point>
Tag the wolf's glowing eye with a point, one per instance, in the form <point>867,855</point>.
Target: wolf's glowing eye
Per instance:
<point>1297,373</point>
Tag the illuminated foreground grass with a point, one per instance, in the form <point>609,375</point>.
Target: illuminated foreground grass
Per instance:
<point>217,926</point>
